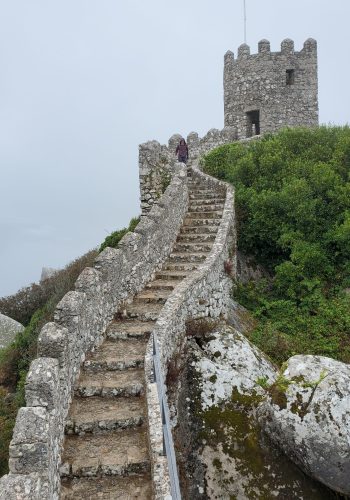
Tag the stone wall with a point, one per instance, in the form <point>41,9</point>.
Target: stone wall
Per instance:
<point>158,163</point>
<point>281,86</point>
<point>79,324</point>
<point>82,315</point>
<point>204,293</point>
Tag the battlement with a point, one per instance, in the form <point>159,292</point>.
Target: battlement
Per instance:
<point>287,49</point>
<point>266,91</point>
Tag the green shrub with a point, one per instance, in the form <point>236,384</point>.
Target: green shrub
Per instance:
<point>8,411</point>
<point>293,215</point>
<point>113,239</point>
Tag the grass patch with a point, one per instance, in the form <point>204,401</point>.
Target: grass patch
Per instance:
<point>113,239</point>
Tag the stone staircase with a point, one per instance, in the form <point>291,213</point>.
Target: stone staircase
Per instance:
<point>106,446</point>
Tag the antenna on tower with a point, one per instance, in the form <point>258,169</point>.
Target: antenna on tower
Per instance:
<point>245,21</point>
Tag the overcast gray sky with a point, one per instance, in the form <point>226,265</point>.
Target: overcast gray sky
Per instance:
<point>83,82</point>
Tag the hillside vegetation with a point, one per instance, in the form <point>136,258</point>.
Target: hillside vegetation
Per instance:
<point>293,210</point>
<point>34,306</point>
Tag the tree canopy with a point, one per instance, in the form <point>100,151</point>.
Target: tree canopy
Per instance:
<point>293,215</point>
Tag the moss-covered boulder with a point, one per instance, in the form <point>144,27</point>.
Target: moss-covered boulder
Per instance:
<point>307,414</point>
<point>231,379</point>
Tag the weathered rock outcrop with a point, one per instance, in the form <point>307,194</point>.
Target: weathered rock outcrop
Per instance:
<point>308,416</point>
<point>230,362</point>
<point>8,330</point>
<point>228,378</point>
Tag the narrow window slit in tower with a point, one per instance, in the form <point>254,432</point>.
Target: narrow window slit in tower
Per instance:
<point>289,76</point>
<point>253,123</point>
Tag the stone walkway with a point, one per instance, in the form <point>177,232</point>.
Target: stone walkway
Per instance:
<point>106,445</point>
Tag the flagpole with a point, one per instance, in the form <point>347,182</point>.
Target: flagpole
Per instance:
<point>245,21</point>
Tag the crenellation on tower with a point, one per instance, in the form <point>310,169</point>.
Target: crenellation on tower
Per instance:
<point>266,91</point>
<point>287,46</point>
<point>229,57</point>
<point>243,51</point>
<point>264,47</point>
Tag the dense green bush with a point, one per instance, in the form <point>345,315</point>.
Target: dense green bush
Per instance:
<point>293,211</point>
<point>113,239</point>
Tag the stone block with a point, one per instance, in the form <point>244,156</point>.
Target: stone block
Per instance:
<point>42,386</point>
<point>89,282</point>
<point>30,445</point>
<point>21,487</point>
<point>53,343</point>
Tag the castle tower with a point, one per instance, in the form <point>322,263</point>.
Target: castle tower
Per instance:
<point>270,90</point>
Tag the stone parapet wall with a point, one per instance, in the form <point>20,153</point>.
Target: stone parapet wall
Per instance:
<point>79,323</point>
<point>158,163</point>
<point>204,293</point>
<point>82,315</point>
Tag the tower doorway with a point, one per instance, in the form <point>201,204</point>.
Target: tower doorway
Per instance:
<point>253,123</point>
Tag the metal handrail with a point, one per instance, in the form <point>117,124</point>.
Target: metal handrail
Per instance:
<point>168,444</point>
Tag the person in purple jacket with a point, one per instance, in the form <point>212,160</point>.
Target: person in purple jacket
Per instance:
<point>182,151</point>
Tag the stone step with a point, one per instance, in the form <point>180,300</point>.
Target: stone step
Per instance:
<point>200,229</point>
<point>195,181</point>
<point>143,312</point>
<point>202,183</point>
<point>117,355</point>
<point>96,414</point>
<point>197,193</point>
<point>110,383</point>
<point>196,237</point>
<point>180,266</point>
<point>152,296</point>
<point>161,284</point>
<point>188,256</point>
<point>176,276</point>
<point>207,201</point>
<point>124,329</point>
<point>217,214</point>
<point>117,453</point>
<point>135,487</point>
<point>193,246</point>
<point>206,208</point>
<point>196,221</point>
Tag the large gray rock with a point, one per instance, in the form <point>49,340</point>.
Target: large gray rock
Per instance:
<point>237,458</point>
<point>229,362</point>
<point>8,330</point>
<point>308,416</point>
